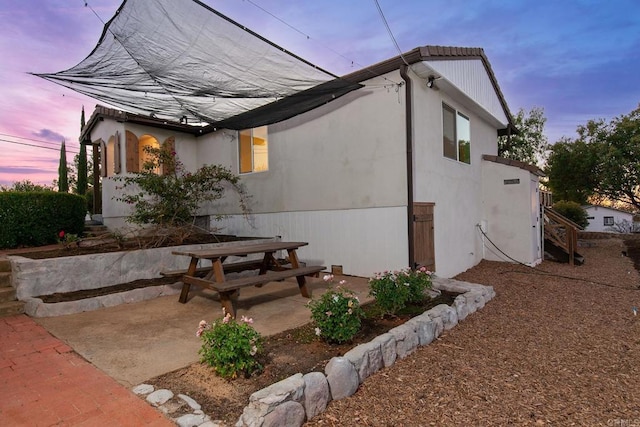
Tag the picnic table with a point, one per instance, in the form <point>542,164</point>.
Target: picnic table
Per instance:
<point>270,269</point>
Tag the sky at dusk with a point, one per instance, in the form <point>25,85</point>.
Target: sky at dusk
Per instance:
<point>577,59</point>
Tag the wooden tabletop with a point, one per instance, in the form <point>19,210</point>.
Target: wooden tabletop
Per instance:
<point>241,249</point>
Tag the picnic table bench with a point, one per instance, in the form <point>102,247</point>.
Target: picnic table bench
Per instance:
<point>270,269</point>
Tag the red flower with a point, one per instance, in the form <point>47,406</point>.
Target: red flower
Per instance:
<point>61,234</point>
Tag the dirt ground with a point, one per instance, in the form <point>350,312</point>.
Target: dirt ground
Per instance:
<point>558,346</point>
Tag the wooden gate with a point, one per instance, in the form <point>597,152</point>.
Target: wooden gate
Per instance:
<point>423,235</point>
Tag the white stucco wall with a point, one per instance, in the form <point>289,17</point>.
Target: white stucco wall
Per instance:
<point>114,212</point>
<point>454,187</point>
<point>511,214</point>
<point>336,179</point>
<point>362,241</point>
<point>596,216</point>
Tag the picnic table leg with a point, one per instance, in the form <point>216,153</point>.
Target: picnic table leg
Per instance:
<point>267,262</point>
<point>226,299</point>
<point>185,286</point>
<point>302,283</point>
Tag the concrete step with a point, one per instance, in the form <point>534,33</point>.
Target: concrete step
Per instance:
<point>7,294</point>
<point>5,280</point>
<point>11,308</point>
<point>95,230</point>
<point>5,265</point>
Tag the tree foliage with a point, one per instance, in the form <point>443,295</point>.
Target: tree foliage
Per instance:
<point>603,162</point>
<point>63,180</point>
<point>530,144</point>
<point>570,170</point>
<point>81,182</point>
<point>26,186</point>
<point>573,211</point>
<point>619,170</point>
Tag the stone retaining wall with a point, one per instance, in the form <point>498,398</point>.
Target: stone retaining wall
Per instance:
<point>300,397</point>
<point>36,277</point>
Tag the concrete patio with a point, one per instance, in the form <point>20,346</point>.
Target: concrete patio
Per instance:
<point>138,341</point>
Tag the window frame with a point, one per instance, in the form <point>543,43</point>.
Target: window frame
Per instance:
<point>606,223</point>
<point>243,151</point>
<point>462,154</point>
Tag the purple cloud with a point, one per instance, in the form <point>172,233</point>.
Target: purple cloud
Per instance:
<point>48,135</point>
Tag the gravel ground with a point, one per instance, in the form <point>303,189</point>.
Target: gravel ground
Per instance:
<point>548,350</point>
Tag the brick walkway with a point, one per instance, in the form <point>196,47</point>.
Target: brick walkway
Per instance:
<point>43,382</point>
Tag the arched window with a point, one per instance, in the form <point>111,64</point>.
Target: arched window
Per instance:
<point>137,153</point>
<point>143,155</point>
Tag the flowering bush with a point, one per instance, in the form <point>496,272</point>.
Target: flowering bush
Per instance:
<point>230,347</point>
<point>337,314</point>
<point>67,239</point>
<point>394,290</point>
<point>173,197</point>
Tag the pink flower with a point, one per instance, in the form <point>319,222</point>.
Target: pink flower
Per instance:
<point>342,282</point>
<point>203,324</point>
<point>61,234</point>
<point>246,319</point>
<point>226,318</point>
<point>327,277</point>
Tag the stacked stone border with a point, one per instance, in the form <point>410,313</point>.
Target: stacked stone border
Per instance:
<point>35,277</point>
<point>294,400</point>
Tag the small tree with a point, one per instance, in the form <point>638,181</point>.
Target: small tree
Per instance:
<point>81,183</point>
<point>170,200</point>
<point>63,180</point>
<point>530,144</point>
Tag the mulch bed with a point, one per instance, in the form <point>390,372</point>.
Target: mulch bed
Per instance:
<point>558,346</point>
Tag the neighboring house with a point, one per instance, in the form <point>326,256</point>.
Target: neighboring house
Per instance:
<point>403,171</point>
<point>605,219</point>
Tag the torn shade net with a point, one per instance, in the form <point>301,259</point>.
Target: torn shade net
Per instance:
<point>177,59</point>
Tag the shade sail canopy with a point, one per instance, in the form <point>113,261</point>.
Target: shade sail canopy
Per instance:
<point>180,59</point>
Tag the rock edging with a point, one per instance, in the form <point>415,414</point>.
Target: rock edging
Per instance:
<point>300,397</point>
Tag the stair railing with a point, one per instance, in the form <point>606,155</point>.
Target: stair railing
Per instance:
<point>561,231</point>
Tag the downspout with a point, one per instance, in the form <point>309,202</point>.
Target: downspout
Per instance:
<point>409,148</point>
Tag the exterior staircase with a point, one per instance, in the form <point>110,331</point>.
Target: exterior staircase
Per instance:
<point>9,305</point>
<point>561,237</point>
<point>94,228</point>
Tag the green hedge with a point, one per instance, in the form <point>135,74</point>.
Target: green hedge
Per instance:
<point>36,218</point>
<point>573,211</point>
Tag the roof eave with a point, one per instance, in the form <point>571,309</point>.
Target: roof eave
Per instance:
<point>431,53</point>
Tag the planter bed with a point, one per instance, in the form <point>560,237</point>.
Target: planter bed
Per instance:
<point>37,278</point>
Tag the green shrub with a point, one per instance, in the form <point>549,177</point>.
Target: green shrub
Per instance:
<point>572,211</point>
<point>337,314</point>
<point>230,347</point>
<point>173,198</point>
<point>37,218</point>
<point>394,290</point>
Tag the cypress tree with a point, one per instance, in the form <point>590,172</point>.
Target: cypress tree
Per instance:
<point>63,179</point>
<point>81,185</point>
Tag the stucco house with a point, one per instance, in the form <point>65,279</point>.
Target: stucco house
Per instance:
<point>604,219</point>
<point>400,172</point>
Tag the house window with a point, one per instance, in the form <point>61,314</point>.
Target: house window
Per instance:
<point>608,220</point>
<point>111,151</point>
<point>147,158</point>
<point>253,150</point>
<point>456,135</point>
